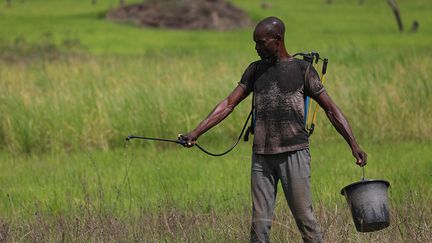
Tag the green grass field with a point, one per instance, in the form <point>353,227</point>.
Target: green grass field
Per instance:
<point>73,86</point>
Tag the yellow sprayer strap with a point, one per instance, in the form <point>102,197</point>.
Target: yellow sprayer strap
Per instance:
<point>316,105</point>
<point>309,114</point>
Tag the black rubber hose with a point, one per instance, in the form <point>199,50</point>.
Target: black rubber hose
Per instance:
<point>233,146</point>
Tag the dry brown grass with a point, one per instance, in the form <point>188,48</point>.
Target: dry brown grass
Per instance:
<point>410,223</point>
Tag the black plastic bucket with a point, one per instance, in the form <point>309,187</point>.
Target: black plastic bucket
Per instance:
<point>368,202</point>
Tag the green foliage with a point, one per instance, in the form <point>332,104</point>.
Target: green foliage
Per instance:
<point>128,180</point>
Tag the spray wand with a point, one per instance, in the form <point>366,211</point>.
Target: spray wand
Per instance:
<point>183,141</point>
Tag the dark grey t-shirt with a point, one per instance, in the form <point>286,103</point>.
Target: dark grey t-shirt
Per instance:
<point>280,90</point>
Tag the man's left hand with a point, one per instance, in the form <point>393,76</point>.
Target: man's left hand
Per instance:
<point>360,155</point>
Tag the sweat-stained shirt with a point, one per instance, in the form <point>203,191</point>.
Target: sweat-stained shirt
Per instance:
<point>280,90</point>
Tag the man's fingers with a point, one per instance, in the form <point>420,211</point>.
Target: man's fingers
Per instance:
<point>361,159</point>
<point>185,140</point>
<point>361,163</point>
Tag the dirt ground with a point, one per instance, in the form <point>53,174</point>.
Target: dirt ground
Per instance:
<point>182,14</point>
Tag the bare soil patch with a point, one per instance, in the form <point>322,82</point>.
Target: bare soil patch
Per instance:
<point>183,14</point>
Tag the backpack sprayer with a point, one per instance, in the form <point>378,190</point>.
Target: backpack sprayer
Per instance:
<point>311,58</point>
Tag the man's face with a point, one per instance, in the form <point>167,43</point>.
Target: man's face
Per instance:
<point>266,46</point>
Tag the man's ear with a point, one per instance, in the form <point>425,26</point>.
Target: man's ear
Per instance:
<point>279,39</point>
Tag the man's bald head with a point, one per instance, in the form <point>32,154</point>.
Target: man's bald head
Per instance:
<point>271,26</point>
<point>269,40</point>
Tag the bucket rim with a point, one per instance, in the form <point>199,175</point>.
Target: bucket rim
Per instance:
<point>365,181</point>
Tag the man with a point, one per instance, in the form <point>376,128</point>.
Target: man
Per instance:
<point>281,147</point>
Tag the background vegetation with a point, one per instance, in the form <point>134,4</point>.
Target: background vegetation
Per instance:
<point>73,85</point>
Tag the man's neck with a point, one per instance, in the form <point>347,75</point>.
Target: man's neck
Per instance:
<point>283,55</point>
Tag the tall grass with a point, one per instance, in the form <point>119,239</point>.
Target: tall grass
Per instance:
<point>80,82</point>
<point>91,102</point>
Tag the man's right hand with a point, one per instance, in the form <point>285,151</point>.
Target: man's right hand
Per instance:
<point>188,140</point>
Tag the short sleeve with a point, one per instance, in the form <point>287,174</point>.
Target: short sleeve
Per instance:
<point>313,85</point>
<point>247,79</point>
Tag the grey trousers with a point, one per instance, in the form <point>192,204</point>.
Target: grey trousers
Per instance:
<point>293,170</point>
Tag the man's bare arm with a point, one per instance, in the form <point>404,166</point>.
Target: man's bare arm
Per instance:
<point>218,114</point>
<point>341,124</point>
